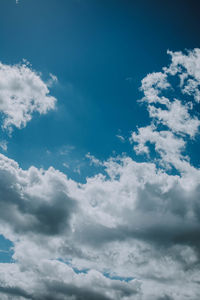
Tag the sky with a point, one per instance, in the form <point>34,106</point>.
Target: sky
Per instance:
<point>99,150</point>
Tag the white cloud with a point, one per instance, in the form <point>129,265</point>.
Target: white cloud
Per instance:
<point>176,117</point>
<point>4,145</point>
<point>22,92</point>
<point>171,118</point>
<point>133,220</point>
<point>166,144</point>
<point>65,165</point>
<point>121,138</point>
<point>29,197</point>
<point>187,66</point>
<point>138,222</point>
<point>152,85</point>
<point>93,160</point>
<point>43,284</point>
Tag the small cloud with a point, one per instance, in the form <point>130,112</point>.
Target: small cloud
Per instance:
<point>4,145</point>
<point>65,165</point>
<point>52,80</point>
<point>48,152</point>
<point>65,150</point>
<point>93,160</point>
<point>4,251</point>
<point>24,93</point>
<point>120,137</point>
<point>77,170</point>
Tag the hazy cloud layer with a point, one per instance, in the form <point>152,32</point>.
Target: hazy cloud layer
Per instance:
<point>130,234</point>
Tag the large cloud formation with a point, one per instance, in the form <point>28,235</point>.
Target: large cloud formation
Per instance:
<point>130,233</point>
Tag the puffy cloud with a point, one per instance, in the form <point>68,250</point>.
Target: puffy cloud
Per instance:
<point>176,118</point>
<point>33,201</point>
<point>187,67</point>
<point>152,85</point>
<point>172,119</point>
<point>130,232</point>
<point>136,223</point>
<point>185,64</point>
<point>22,92</point>
<point>43,284</point>
<point>166,143</point>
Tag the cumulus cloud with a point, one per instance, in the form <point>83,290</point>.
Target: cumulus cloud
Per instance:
<point>171,118</point>
<point>176,117</point>
<point>43,284</point>
<point>131,232</point>
<point>33,201</point>
<point>22,92</point>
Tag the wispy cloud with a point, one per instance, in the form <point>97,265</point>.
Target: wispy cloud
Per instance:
<point>121,138</point>
<point>4,145</point>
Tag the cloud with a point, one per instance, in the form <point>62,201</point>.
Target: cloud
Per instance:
<point>4,145</point>
<point>33,201</point>
<point>176,117</point>
<point>134,220</point>
<point>43,284</point>
<point>22,93</point>
<point>137,223</point>
<point>93,160</point>
<point>171,119</point>
<point>121,138</point>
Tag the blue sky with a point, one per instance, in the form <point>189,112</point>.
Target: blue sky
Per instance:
<point>100,52</point>
<point>71,75</point>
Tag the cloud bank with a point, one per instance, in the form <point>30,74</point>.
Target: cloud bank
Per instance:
<point>130,233</point>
